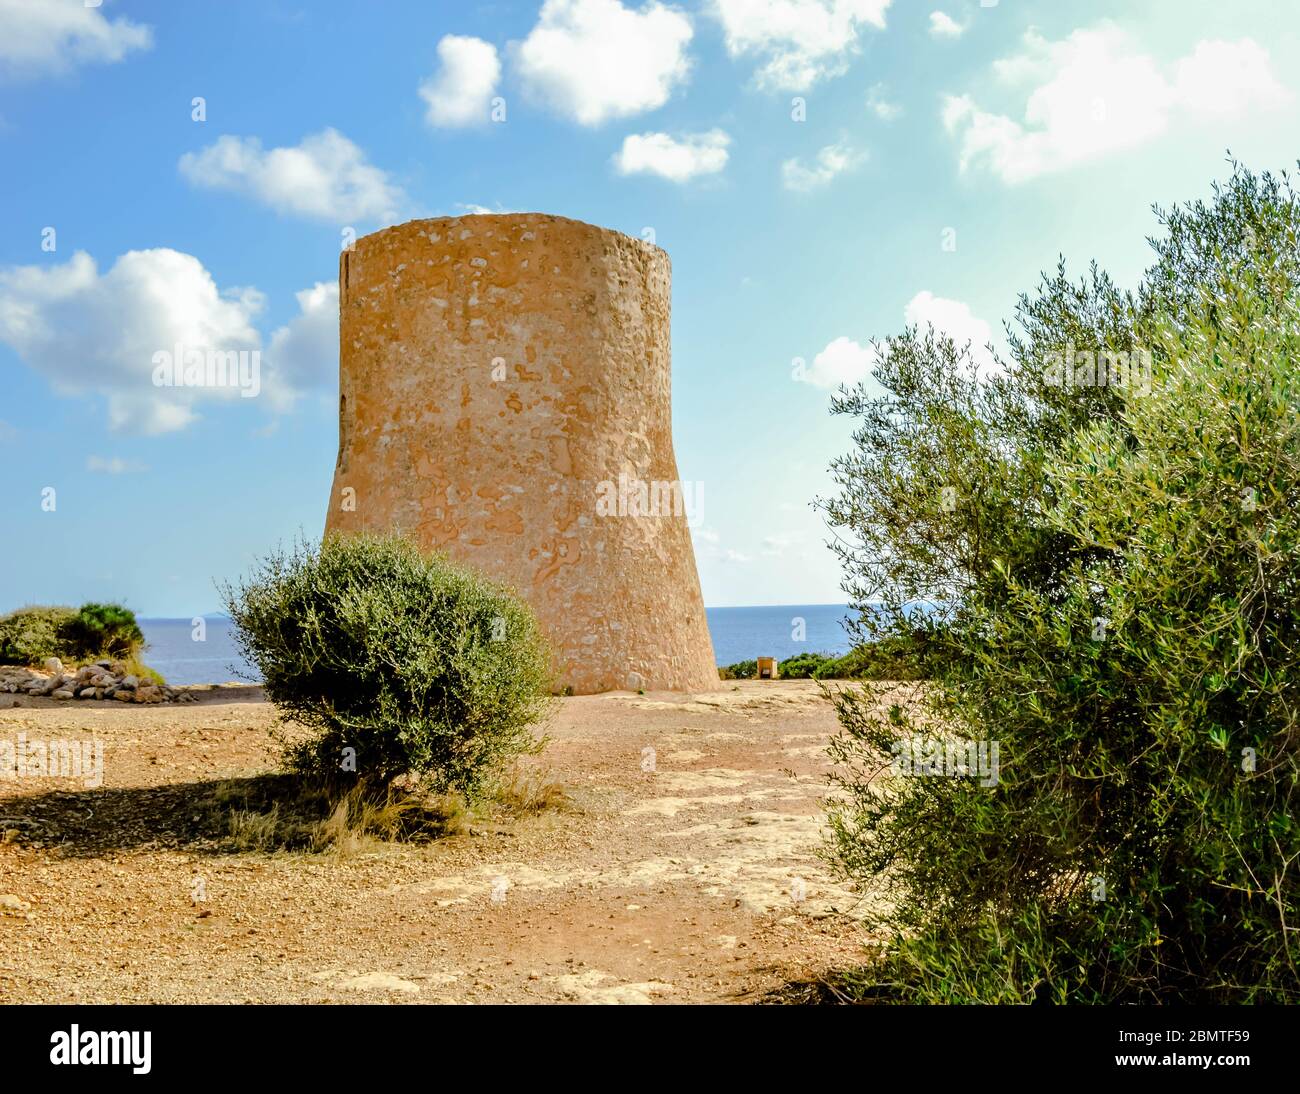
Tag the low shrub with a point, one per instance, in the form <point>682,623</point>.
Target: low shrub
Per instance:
<point>395,661</point>
<point>803,666</point>
<point>741,670</point>
<point>891,658</point>
<point>102,630</point>
<point>29,635</point>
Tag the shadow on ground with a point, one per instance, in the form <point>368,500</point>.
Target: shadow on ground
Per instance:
<point>223,816</point>
<point>89,823</point>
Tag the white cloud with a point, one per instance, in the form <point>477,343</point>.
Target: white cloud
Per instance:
<point>956,320</point>
<point>678,160</point>
<point>304,353</point>
<point>593,60</point>
<point>1221,79</point>
<point>708,546</point>
<point>779,545</point>
<point>832,160</point>
<point>943,25</point>
<point>461,91</point>
<point>1094,94</point>
<point>846,362</point>
<point>798,42</point>
<point>50,36</point>
<point>325,176</point>
<point>473,209</point>
<point>92,333</point>
<point>843,361</point>
<point>113,465</point>
<point>879,103</point>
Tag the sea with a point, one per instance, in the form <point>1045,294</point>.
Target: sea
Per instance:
<point>176,648</point>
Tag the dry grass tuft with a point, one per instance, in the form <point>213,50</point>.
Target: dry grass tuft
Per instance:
<point>529,791</point>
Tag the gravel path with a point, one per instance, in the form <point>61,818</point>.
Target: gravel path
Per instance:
<point>686,874</point>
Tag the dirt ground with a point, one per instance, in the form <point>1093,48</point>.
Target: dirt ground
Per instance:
<point>688,874</point>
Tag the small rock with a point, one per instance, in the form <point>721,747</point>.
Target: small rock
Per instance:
<point>87,693</point>
<point>63,693</point>
<point>119,668</point>
<point>150,693</point>
<point>129,682</point>
<point>123,696</point>
<point>13,905</point>
<point>53,666</point>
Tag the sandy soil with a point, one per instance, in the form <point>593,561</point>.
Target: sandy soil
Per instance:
<point>679,884</point>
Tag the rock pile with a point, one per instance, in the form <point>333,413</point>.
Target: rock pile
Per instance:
<point>106,679</point>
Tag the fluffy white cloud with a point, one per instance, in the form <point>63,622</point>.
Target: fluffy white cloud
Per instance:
<point>1094,93</point>
<point>843,361</point>
<point>325,176</point>
<point>956,320</point>
<point>461,91</point>
<point>879,103</point>
<point>943,25</point>
<point>90,332</point>
<point>93,333</point>
<point>304,353</point>
<point>798,42</point>
<point>846,362</point>
<point>592,60</point>
<point>678,160</point>
<point>832,160</point>
<point>46,36</point>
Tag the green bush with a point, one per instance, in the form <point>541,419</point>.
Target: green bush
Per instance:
<point>29,635</point>
<point>893,657</point>
<point>802,666</point>
<point>102,630</point>
<point>394,659</point>
<point>799,667</point>
<point>741,670</point>
<point>897,657</point>
<point>1120,570</point>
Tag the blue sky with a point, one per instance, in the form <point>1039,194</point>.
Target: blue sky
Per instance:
<point>821,172</point>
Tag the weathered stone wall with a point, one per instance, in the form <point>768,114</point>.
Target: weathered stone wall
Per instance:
<point>497,376</point>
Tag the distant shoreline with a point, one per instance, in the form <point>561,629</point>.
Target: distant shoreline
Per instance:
<point>739,633</point>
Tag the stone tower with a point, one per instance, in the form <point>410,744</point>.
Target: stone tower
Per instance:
<point>504,397</point>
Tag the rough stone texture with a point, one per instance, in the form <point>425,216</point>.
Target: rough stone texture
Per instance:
<point>495,371</point>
